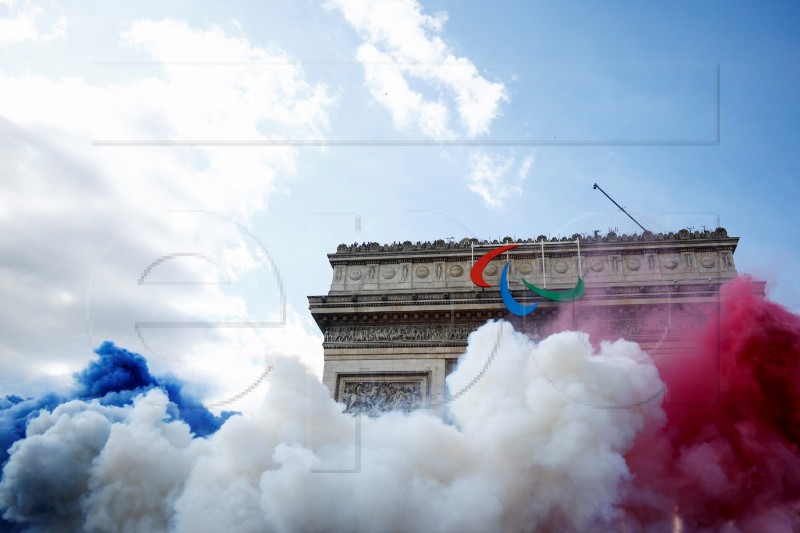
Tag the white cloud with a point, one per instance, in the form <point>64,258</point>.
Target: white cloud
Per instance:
<point>63,202</point>
<point>409,109</point>
<point>495,178</point>
<point>27,21</point>
<point>401,43</point>
<point>267,96</point>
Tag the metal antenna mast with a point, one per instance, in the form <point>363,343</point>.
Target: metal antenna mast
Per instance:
<point>596,186</point>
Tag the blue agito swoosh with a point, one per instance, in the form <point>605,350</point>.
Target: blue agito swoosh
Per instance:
<point>511,304</point>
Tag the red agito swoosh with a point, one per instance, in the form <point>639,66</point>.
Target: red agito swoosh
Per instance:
<point>476,274</point>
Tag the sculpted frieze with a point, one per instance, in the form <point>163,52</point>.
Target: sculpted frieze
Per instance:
<point>398,333</point>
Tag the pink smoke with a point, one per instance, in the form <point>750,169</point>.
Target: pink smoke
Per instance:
<point>727,457</point>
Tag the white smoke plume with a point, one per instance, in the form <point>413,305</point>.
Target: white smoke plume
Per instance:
<point>536,443</point>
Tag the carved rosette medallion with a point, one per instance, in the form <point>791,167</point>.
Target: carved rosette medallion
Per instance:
<point>633,264</point>
<point>671,263</point>
<point>596,265</point>
<point>491,270</point>
<point>422,272</point>
<point>389,273</point>
<point>708,261</point>
<point>525,269</point>
<point>561,267</point>
<point>456,271</point>
<point>355,274</point>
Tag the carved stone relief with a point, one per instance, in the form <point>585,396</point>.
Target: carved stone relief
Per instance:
<point>422,272</point>
<point>355,274</point>
<point>375,397</point>
<point>389,273</point>
<point>630,328</point>
<point>456,271</point>
<point>525,269</point>
<point>633,264</point>
<point>708,261</point>
<point>404,333</point>
<point>727,261</point>
<point>671,262</point>
<point>561,267</point>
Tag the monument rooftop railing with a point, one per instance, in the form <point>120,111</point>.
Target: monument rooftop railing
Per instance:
<point>470,243</point>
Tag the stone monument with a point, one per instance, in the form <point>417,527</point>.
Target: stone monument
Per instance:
<point>397,316</point>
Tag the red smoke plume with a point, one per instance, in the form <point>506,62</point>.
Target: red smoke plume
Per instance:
<point>727,457</point>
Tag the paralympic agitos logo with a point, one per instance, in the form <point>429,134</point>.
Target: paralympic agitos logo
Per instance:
<point>476,274</point>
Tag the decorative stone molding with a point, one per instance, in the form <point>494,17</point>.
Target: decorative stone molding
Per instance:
<point>398,334</point>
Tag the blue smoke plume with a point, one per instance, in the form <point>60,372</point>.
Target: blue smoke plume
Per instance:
<point>113,379</point>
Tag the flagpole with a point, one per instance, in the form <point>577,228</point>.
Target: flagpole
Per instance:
<point>544,272</point>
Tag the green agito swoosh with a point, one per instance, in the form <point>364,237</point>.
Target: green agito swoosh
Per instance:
<point>559,296</point>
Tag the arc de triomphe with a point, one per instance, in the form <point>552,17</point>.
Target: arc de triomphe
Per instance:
<point>397,316</point>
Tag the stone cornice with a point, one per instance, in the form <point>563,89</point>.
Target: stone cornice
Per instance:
<point>493,296</point>
<point>533,252</point>
<point>433,307</point>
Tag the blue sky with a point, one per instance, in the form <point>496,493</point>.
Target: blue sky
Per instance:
<point>552,96</point>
